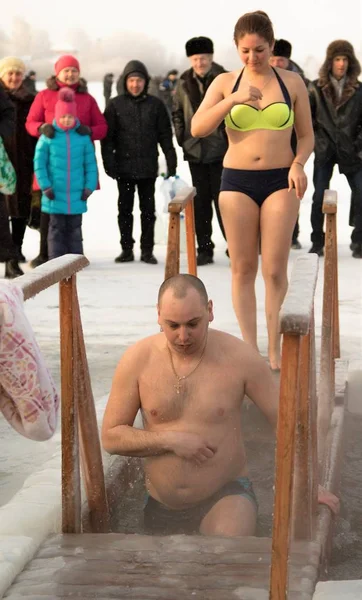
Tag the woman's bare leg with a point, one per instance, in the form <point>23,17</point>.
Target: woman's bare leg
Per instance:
<point>277,219</point>
<point>240,215</point>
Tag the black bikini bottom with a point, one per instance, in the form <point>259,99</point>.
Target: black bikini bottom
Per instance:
<point>258,185</point>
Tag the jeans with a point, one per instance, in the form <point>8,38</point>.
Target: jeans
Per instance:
<point>206,178</point>
<point>321,179</point>
<point>146,194</point>
<point>64,235</point>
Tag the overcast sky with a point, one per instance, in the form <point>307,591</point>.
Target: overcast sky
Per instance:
<point>310,25</point>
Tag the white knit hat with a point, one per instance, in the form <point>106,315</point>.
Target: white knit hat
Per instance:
<point>11,63</point>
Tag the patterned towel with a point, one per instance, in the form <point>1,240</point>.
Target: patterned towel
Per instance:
<point>28,398</point>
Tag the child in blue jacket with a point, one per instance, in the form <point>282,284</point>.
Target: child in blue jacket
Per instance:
<point>66,169</point>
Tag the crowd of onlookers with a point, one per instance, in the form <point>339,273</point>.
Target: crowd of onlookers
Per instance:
<point>48,138</point>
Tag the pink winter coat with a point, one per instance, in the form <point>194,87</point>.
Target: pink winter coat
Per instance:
<point>88,113</point>
<point>43,108</point>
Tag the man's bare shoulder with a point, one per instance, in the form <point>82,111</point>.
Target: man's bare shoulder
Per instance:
<point>140,350</point>
<point>234,346</point>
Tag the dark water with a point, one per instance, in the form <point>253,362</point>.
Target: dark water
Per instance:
<point>346,557</point>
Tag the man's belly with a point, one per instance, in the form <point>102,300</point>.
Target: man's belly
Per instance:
<point>178,483</point>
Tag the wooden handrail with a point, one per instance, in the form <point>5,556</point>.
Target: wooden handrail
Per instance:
<point>330,344</point>
<point>79,423</point>
<point>296,321</point>
<point>184,200</point>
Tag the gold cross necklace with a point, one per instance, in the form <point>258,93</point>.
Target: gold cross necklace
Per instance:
<point>181,378</point>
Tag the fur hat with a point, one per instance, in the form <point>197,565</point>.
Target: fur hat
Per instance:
<point>340,48</point>
<point>199,45</point>
<point>67,60</point>
<point>66,104</point>
<point>11,63</point>
<point>282,48</point>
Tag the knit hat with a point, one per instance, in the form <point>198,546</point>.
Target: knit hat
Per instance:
<point>11,63</point>
<point>67,60</point>
<point>136,74</point>
<point>66,104</point>
<point>199,45</point>
<point>340,48</point>
<point>282,48</point>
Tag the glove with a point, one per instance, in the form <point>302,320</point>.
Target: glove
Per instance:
<point>84,130</point>
<point>49,193</point>
<point>47,130</point>
<point>86,194</point>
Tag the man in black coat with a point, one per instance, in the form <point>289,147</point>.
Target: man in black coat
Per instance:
<point>205,156</point>
<point>137,123</point>
<point>336,103</point>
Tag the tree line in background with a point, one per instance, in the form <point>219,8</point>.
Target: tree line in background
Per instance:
<point>109,54</point>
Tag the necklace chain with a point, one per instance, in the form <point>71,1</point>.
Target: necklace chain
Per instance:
<point>180,378</point>
<point>265,84</point>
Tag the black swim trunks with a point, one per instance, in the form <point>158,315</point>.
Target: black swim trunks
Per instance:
<point>160,520</point>
<point>258,185</point>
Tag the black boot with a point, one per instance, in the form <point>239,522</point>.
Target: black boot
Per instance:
<point>148,257</point>
<point>12,269</point>
<point>357,250</point>
<point>125,256</point>
<point>43,252</point>
<point>317,249</point>
<point>203,258</point>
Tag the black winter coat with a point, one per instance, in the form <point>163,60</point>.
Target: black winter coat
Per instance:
<point>136,125</point>
<point>20,147</point>
<point>186,101</point>
<point>337,126</point>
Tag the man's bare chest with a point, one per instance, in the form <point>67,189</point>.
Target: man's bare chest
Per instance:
<point>200,398</point>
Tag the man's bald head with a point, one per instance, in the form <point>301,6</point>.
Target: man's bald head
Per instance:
<point>180,285</point>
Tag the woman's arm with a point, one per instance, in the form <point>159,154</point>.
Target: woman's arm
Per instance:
<point>215,106</point>
<point>213,109</point>
<point>305,139</point>
<point>36,116</point>
<point>303,123</point>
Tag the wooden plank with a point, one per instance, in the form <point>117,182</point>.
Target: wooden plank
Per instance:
<point>91,457</point>
<point>326,382</point>
<point>71,496</point>
<point>296,311</point>
<point>181,200</point>
<point>48,274</point>
<point>190,238</point>
<point>302,498</point>
<point>172,266</point>
<point>336,337</point>
<point>288,401</point>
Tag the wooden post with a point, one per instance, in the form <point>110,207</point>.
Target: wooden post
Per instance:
<point>285,467</point>
<point>337,350</point>
<point>176,206</point>
<point>90,448</point>
<point>190,237</point>
<point>295,322</point>
<point>326,384</point>
<point>302,510</point>
<point>313,437</point>
<point>172,266</point>
<point>71,496</point>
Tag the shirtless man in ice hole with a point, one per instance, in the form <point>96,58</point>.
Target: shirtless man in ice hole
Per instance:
<point>189,382</point>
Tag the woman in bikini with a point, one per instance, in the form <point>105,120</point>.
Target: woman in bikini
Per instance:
<point>263,180</point>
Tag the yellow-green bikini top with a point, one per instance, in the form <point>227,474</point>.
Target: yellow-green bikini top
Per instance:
<point>276,116</point>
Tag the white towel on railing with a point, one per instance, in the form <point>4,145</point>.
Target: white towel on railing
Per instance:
<point>28,398</point>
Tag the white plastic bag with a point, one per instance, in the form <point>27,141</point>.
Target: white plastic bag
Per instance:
<point>167,190</point>
<point>170,188</point>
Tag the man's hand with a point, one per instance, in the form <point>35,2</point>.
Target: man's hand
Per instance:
<point>47,129</point>
<point>84,130</point>
<point>329,499</point>
<point>49,193</point>
<point>190,446</point>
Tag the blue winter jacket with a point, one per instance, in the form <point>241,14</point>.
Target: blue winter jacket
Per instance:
<point>67,164</point>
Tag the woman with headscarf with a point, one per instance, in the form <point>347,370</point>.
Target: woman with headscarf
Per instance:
<point>41,116</point>
<point>20,147</point>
